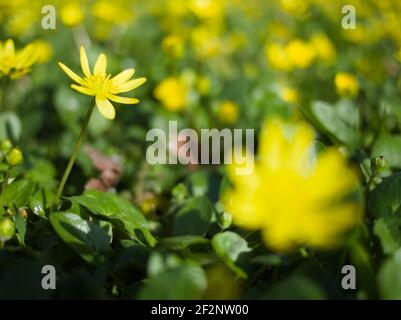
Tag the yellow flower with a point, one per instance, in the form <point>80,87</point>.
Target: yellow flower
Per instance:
<point>288,94</point>
<point>277,56</point>
<point>173,93</point>
<point>71,14</point>
<point>296,199</point>
<point>207,9</point>
<point>323,47</point>
<point>101,85</point>
<point>173,46</point>
<point>346,84</point>
<point>16,63</point>
<point>43,50</point>
<point>228,112</point>
<point>300,53</point>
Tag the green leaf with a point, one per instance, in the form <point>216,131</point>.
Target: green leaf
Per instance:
<point>194,217</point>
<point>389,278</point>
<point>229,246</point>
<point>182,242</point>
<point>385,199</point>
<point>20,224</point>
<point>10,126</point>
<point>181,283</point>
<point>388,146</point>
<point>296,287</point>
<point>85,237</point>
<point>18,193</point>
<point>119,211</point>
<point>388,230</point>
<point>340,121</point>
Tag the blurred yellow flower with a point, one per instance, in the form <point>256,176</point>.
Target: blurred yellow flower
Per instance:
<point>203,85</point>
<point>173,46</point>
<point>207,9</point>
<point>277,57</point>
<point>323,47</point>
<point>71,14</point>
<point>228,112</point>
<point>300,53</point>
<point>347,84</point>
<point>173,93</point>
<point>101,85</point>
<point>288,94</point>
<point>296,199</point>
<point>295,7</point>
<point>44,50</point>
<point>16,63</point>
<point>115,11</point>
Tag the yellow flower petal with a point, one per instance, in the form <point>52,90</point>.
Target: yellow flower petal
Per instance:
<point>82,90</point>
<point>71,73</point>
<point>9,47</point>
<point>84,63</point>
<point>100,65</point>
<point>105,108</point>
<point>129,85</point>
<point>123,100</point>
<point>123,76</point>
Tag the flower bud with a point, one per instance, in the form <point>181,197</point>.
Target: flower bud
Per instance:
<point>7,229</point>
<point>378,164</point>
<point>14,157</point>
<point>224,219</point>
<point>6,145</point>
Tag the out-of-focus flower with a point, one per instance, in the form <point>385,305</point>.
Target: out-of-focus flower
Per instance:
<point>288,94</point>
<point>44,50</point>
<point>228,112</point>
<point>173,46</point>
<point>206,42</point>
<point>203,85</point>
<point>323,47</point>
<point>296,199</point>
<point>300,53</point>
<point>173,93</point>
<point>102,86</point>
<point>16,63</point>
<point>112,11</point>
<point>347,84</point>
<point>277,57</point>
<point>71,14</point>
<point>221,284</point>
<point>295,7</point>
<point>207,9</point>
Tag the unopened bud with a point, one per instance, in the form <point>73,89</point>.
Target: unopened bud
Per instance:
<point>378,164</point>
<point>6,145</point>
<point>7,229</point>
<point>14,157</point>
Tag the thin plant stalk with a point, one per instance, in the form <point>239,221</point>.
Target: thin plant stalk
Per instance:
<point>74,154</point>
<point>5,183</point>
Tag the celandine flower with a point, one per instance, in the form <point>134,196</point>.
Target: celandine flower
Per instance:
<point>102,86</point>
<point>296,199</point>
<point>16,63</point>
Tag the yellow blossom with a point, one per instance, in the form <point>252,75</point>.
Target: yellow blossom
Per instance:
<point>172,92</point>
<point>173,46</point>
<point>288,94</point>
<point>71,14</point>
<point>300,53</point>
<point>228,112</point>
<point>100,84</point>
<point>346,84</point>
<point>207,9</point>
<point>277,56</point>
<point>16,63</point>
<point>293,197</point>
<point>323,47</point>
<point>44,50</point>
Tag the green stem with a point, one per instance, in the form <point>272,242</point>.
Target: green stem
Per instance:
<point>74,153</point>
<point>5,183</point>
<point>4,94</point>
